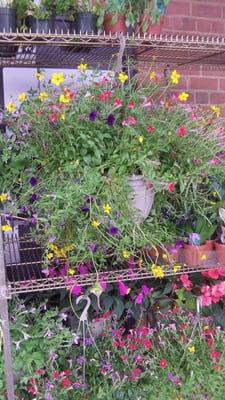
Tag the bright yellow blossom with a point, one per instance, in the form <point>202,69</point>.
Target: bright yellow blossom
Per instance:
<point>157,271</point>
<point>203,257</point>
<point>11,107</point>
<point>122,77</point>
<point>43,96</point>
<point>57,78</point>
<point>183,96</point>
<point>95,223</point>
<point>191,349</point>
<point>152,76</point>
<point>62,117</point>
<point>3,197</point>
<point>50,256</point>
<point>40,76</point>
<point>216,110</point>
<point>82,67</point>
<point>107,208</point>
<point>22,97</point>
<point>63,98</point>
<point>141,139</point>
<point>174,77</point>
<point>177,268</point>
<point>164,256</point>
<point>126,254</point>
<point>6,228</point>
<point>71,271</point>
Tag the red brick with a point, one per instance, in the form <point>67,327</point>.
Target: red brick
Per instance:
<point>207,10</point>
<point>189,24</point>
<point>222,84</point>
<point>203,25</point>
<point>179,8</point>
<point>204,83</point>
<point>175,24</point>
<point>217,98</point>
<point>202,98</point>
<point>218,27</point>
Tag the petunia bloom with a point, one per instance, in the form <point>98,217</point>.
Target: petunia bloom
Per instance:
<point>110,120</point>
<point>92,116</point>
<point>182,131</point>
<point>123,289</point>
<point>113,230</point>
<point>33,181</point>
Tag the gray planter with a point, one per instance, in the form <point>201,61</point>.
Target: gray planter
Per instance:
<point>142,198</point>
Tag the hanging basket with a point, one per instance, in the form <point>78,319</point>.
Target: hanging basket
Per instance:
<point>142,198</point>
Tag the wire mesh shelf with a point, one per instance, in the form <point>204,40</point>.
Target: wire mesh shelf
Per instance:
<point>67,50</point>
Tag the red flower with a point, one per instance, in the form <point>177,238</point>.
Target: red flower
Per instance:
<point>171,187</point>
<point>215,356</point>
<point>144,330</point>
<point>130,121</point>
<point>131,105</point>
<point>138,360</point>
<point>117,103</point>
<point>149,185</point>
<point>147,344</point>
<point>132,347</point>
<point>135,373</point>
<point>150,129</point>
<point>138,340</point>
<point>53,118</point>
<point>182,131</point>
<point>210,342</point>
<point>40,372</point>
<point>105,95</point>
<point>163,363</point>
<point>32,387</point>
<point>56,375</point>
<point>66,383</point>
<point>187,284</point>
<point>67,372</point>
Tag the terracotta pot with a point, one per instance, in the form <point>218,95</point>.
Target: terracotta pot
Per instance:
<point>220,253</point>
<point>142,197</point>
<point>152,29</point>
<point>118,27</point>
<point>196,255</point>
<point>169,256</point>
<point>210,245</point>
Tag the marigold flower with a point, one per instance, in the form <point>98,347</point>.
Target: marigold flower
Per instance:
<point>126,254</point>
<point>95,223</point>
<point>22,97</point>
<point>63,98</point>
<point>152,76</point>
<point>191,349</point>
<point>43,96</point>
<point>174,77</point>
<point>57,78</point>
<point>3,197</point>
<point>107,208</point>
<point>177,268</point>
<point>157,271</point>
<point>11,107</point>
<point>183,96</point>
<point>50,256</point>
<point>82,67</point>
<point>40,76</point>
<point>216,110</point>
<point>71,271</point>
<point>6,228</point>
<point>122,77</point>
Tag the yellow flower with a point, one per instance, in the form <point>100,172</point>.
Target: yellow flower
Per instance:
<point>206,327</point>
<point>216,110</point>
<point>176,268</point>
<point>52,247</point>
<point>57,78</point>
<point>203,257</point>
<point>50,256</point>
<point>157,271</point>
<point>71,271</point>
<point>43,96</point>
<point>40,76</point>
<point>63,98</point>
<point>183,96</point>
<point>174,77</point>
<point>11,107</point>
<point>169,133</point>
<point>126,254</point>
<point>214,194</point>
<point>22,97</point>
<point>62,117</point>
<point>107,208</point>
<point>141,139</point>
<point>6,228</point>
<point>152,76</point>
<point>122,77</point>
<point>82,67</point>
<point>164,256</point>
<point>3,197</point>
<point>191,349</point>
<point>95,223</point>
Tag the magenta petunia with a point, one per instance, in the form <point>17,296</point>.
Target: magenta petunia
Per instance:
<point>123,289</point>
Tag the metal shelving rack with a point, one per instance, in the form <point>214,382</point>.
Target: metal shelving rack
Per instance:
<point>24,274</point>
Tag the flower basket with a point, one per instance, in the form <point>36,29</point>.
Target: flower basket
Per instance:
<point>142,197</point>
<point>198,255</point>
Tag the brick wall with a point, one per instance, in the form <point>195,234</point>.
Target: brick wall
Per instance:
<point>199,17</point>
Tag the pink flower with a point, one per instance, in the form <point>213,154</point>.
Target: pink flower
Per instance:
<point>123,289</point>
<point>103,285</point>
<point>138,360</point>
<point>212,274</point>
<point>171,187</point>
<point>145,290</point>
<point>150,129</point>
<point>76,290</point>
<point>147,344</point>
<point>182,131</point>
<point>53,118</point>
<point>149,185</point>
<point>215,161</point>
<point>215,356</point>
<point>117,103</point>
<point>206,297</point>
<point>130,121</point>
<point>135,373</point>
<point>187,284</point>
<point>139,298</point>
<point>131,105</point>
<point>66,383</point>
<point>163,363</point>
<point>105,95</point>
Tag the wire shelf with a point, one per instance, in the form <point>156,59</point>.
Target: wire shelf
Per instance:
<point>23,266</point>
<point>67,50</point>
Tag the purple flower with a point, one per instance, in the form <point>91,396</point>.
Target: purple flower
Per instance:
<point>80,360</point>
<point>89,199</point>
<point>194,239</point>
<point>34,197</point>
<point>33,181</point>
<point>179,244</point>
<point>131,263</point>
<point>76,290</point>
<point>93,247</point>
<point>51,239</point>
<point>110,120</point>
<point>24,209</point>
<point>123,289</point>
<point>103,285</point>
<point>88,341</point>
<point>113,230</point>
<point>106,368</point>
<point>52,273</point>
<point>33,219</point>
<point>64,270</point>
<point>139,298</point>
<point>84,208</point>
<point>77,385</point>
<point>92,116</point>
<point>145,290</point>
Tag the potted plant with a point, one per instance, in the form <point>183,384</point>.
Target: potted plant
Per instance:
<point>220,243</point>
<point>38,17</point>
<point>112,16</point>
<point>62,12</point>
<point>151,15</point>
<point>7,16</point>
<point>85,18</point>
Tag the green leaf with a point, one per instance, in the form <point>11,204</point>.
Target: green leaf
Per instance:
<point>118,306</point>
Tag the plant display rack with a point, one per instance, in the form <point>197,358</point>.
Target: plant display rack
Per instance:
<point>23,274</point>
